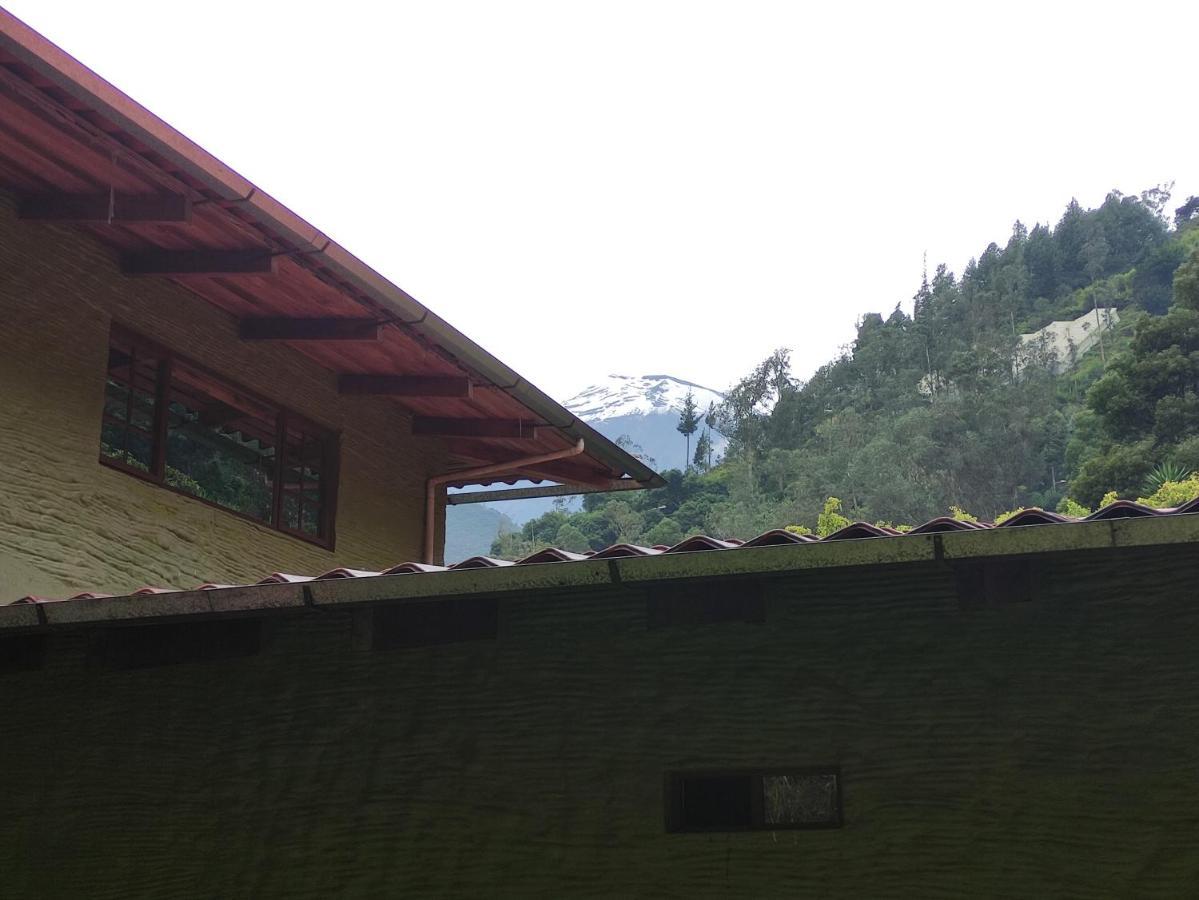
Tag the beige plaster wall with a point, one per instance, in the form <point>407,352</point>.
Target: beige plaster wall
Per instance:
<point>68,523</point>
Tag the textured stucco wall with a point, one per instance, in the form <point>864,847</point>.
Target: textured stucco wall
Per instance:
<point>68,523</point>
<point>1010,749</point>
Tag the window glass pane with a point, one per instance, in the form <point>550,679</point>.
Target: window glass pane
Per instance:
<point>717,802</point>
<point>220,444</point>
<point>206,437</point>
<point>303,467</point>
<point>127,429</point>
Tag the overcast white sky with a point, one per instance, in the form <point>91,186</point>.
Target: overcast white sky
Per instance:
<point>656,187</point>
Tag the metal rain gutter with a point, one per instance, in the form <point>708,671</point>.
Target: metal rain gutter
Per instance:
<point>548,490</point>
<point>511,466</point>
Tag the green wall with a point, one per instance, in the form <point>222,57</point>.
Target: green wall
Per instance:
<point>1012,749</point>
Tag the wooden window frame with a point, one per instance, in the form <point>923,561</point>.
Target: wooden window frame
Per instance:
<point>156,474</point>
<point>673,797</point>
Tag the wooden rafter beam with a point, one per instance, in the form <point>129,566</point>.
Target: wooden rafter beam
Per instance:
<point>122,209</point>
<point>200,262</point>
<point>590,479</point>
<point>474,428</point>
<point>279,328</point>
<point>406,385</point>
<point>570,474</point>
<point>478,452</point>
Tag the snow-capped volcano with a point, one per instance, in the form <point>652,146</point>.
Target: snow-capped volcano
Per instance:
<point>638,395</point>
<point>645,409</point>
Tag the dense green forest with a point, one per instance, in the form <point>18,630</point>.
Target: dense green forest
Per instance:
<point>945,409</point>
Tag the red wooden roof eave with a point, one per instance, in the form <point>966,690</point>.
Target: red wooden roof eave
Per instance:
<point>199,171</point>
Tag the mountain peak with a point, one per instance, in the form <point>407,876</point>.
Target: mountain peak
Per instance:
<point>638,395</point>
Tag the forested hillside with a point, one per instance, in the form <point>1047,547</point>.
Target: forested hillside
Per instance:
<point>945,409</point>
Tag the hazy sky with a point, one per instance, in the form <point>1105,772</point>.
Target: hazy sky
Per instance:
<point>657,187</point>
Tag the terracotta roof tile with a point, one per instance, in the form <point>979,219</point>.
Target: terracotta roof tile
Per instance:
<point>857,530</point>
<point>619,551</point>
<point>780,537</point>
<point>413,568</point>
<point>1126,509</point>
<point>550,555</point>
<point>1034,516</point>
<point>284,578</point>
<point>346,573</point>
<point>481,562</point>
<point>701,542</point>
<point>1190,507</point>
<point>942,524</point>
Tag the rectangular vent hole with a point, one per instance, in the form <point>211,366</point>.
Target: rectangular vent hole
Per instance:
<point>147,646</point>
<point>754,800</point>
<point>427,623</point>
<point>705,602</point>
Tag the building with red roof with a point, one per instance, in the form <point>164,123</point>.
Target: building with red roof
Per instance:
<point>236,665</point>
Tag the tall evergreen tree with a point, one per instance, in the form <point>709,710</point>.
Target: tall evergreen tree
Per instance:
<point>688,422</point>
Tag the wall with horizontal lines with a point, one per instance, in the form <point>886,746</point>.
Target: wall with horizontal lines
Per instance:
<point>1040,747</point>
<point>69,524</point>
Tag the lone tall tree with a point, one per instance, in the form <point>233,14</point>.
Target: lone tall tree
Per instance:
<point>688,423</point>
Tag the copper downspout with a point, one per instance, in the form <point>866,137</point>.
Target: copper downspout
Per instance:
<point>512,466</point>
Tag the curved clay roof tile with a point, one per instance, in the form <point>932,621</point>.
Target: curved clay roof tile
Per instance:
<point>550,555</point>
<point>481,562</point>
<point>942,524</point>
<point>857,530</point>
<point>412,568</point>
<point>1035,516</point>
<point>701,542</point>
<point>780,537</point>
<point>619,551</point>
<point>1125,509</point>
<point>342,572</point>
<point>284,578</point>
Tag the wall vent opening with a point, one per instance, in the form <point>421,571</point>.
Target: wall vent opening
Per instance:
<point>22,652</point>
<point>147,646</point>
<point>705,602</point>
<point>753,800</point>
<point>994,581</point>
<point>427,623</point>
